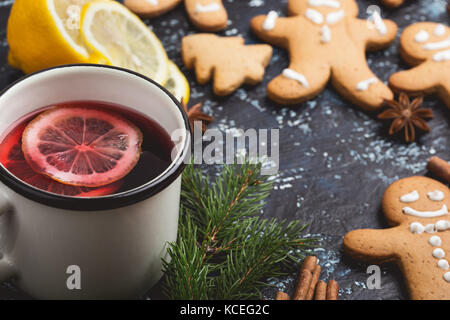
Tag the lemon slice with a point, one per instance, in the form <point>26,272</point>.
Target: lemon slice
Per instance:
<point>45,33</point>
<point>112,30</point>
<point>177,83</point>
<point>67,15</point>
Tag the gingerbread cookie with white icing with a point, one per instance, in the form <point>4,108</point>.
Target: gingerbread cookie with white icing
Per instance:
<point>227,60</point>
<point>206,15</point>
<point>392,3</point>
<point>326,40</point>
<point>151,8</point>
<point>419,240</point>
<point>426,46</point>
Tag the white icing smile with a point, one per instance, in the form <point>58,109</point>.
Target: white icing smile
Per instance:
<point>410,197</point>
<point>437,45</point>
<point>324,3</point>
<point>426,214</point>
<point>440,56</point>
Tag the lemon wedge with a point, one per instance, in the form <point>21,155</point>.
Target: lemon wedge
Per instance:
<point>111,30</point>
<point>45,33</point>
<point>177,83</point>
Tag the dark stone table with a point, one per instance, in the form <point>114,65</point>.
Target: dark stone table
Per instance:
<point>335,160</point>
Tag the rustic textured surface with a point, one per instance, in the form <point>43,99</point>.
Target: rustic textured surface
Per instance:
<point>336,160</point>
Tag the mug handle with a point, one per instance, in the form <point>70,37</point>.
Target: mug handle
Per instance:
<point>7,270</point>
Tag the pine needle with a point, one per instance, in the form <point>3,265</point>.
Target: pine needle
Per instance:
<point>225,248</point>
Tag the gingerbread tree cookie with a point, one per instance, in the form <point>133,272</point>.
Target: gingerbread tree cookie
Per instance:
<point>227,59</point>
<point>326,41</point>
<point>206,15</point>
<point>419,240</point>
<point>425,45</point>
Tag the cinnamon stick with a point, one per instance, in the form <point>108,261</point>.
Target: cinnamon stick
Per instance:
<point>332,290</point>
<point>315,279</point>
<point>305,278</point>
<point>282,296</point>
<point>439,167</point>
<point>309,263</point>
<point>303,285</point>
<point>321,291</point>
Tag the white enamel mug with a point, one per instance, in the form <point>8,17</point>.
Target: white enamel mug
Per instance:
<point>116,243</point>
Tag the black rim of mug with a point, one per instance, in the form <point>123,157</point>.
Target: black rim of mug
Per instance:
<point>114,201</point>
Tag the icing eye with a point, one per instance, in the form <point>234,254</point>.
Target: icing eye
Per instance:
<point>439,30</point>
<point>436,195</point>
<point>422,36</point>
<point>410,197</point>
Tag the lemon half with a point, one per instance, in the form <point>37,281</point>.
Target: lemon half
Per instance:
<point>45,33</point>
<point>111,30</point>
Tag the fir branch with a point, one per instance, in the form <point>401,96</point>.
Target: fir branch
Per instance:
<point>224,248</point>
<point>186,274</point>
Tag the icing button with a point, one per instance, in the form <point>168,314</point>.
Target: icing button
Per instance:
<point>443,264</point>
<point>438,253</point>
<point>435,241</point>
<point>447,276</point>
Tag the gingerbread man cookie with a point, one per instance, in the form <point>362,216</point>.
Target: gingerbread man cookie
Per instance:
<point>326,41</point>
<point>425,45</point>
<point>227,59</point>
<point>419,240</point>
<point>206,15</point>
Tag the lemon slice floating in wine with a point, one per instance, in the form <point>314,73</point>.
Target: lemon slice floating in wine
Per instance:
<point>82,147</point>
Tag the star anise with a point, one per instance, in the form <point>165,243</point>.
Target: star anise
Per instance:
<point>195,114</point>
<point>406,115</point>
